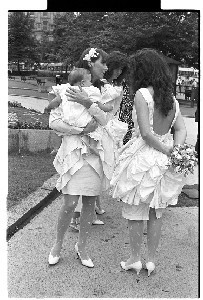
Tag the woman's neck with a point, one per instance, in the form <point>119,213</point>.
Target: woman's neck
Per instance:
<point>110,80</point>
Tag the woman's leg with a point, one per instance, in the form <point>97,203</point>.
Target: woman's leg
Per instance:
<point>98,203</point>
<point>98,208</point>
<point>86,218</point>
<point>153,233</point>
<point>135,233</point>
<point>65,214</point>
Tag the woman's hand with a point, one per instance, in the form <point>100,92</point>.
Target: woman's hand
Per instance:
<point>91,126</point>
<point>169,149</point>
<point>80,97</point>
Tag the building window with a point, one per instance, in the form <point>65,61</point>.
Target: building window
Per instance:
<point>45,23</point>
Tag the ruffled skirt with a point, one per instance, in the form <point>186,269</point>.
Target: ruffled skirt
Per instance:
<point>80,173</point>
<point>142,176</point>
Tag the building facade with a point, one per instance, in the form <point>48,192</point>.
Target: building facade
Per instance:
<point>44,23</point>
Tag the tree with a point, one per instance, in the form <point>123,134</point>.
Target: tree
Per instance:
<point>174,33</point>
<point>21,43</point>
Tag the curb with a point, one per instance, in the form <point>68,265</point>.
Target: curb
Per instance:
<point>22,221</point>
<point>28,96</point>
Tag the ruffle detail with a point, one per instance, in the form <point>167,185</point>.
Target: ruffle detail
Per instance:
<point>69,159</point>
<point>105,147</point>
<point>117,129</point>
<point>137,177</point>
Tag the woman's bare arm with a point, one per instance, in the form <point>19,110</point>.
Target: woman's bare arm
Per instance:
<point>180,130</point>
<point>144,125</point>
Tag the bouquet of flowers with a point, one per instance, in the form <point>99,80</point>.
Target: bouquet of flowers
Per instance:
<point>183,159</point>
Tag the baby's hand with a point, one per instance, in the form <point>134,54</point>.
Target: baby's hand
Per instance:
<point>91,126</point>
<point>169,150</point>
<point>46,110</point>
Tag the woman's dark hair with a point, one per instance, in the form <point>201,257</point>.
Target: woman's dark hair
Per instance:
<point>116,60</point>
<point>149,67</point>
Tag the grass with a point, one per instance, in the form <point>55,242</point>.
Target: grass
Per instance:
<point>27,173</point>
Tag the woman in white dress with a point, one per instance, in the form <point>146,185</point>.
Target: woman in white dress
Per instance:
<point>112,93</point>
<point>142,179</point>
<point>87,175</point>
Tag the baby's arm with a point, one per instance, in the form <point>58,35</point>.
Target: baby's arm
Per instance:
<point>53,104</point>
<point>105,107</point>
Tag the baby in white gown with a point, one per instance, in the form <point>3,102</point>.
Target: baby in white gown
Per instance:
<point>66,112</point>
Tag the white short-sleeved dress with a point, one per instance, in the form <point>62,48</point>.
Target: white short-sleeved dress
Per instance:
<point>142,179</point>
<point>113,95</point>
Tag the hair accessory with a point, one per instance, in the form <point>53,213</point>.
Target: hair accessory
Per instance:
<point>92,53</point>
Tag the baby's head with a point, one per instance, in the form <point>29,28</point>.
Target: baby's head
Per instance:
<point>80,76</point>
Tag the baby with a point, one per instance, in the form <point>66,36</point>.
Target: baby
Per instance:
<point>69,112</point>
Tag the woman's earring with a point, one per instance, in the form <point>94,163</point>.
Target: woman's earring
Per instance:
<point>89,64</point>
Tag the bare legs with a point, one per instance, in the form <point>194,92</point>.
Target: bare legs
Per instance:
<point>98,204</point>
<point>86,218</point>
<point>153,234</point>
<point>69,203</point>
<point>136,235</point>
<point>65,214</point>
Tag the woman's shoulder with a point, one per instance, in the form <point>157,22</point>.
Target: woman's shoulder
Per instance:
<point>147,94</point>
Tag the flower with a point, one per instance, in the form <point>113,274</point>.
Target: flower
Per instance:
<point>183,159</point>
<point>92,53</point>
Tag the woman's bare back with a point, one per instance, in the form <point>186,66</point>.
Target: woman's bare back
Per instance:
<point>162,124</point>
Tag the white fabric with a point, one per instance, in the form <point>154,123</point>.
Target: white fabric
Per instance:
<point>142,171</point>
<point>74,151</point>
<point>113,95</point>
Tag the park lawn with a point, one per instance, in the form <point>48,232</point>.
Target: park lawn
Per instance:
<point>26,173</point>
<point>27,115</point>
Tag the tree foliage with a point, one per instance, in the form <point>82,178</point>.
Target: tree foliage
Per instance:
<point>21,43</point>
<point>173,33</point>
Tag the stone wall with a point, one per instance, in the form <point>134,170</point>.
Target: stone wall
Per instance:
<point>30,140</point>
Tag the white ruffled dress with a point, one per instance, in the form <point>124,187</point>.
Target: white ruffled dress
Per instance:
<point>113,95</point>
<point>81,172</point>
<point>141,178</point>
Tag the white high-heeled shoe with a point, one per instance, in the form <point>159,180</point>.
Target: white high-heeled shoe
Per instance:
<point>97,222</point>
<point>99,211</point>
<point>85,262</point>
<point>53,259</point>
<point>150,267</point>
<point>137,266</point>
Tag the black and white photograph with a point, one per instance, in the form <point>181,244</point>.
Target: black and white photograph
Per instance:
<point>103,154</point>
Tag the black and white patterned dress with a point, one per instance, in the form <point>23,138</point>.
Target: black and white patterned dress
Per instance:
<point>125,114</point>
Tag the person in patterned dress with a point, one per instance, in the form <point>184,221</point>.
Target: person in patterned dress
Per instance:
<point>125,114</point>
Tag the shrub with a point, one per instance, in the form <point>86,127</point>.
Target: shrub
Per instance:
<point>14,123</point>
<point>14,104</point>
<point>24,125</point>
